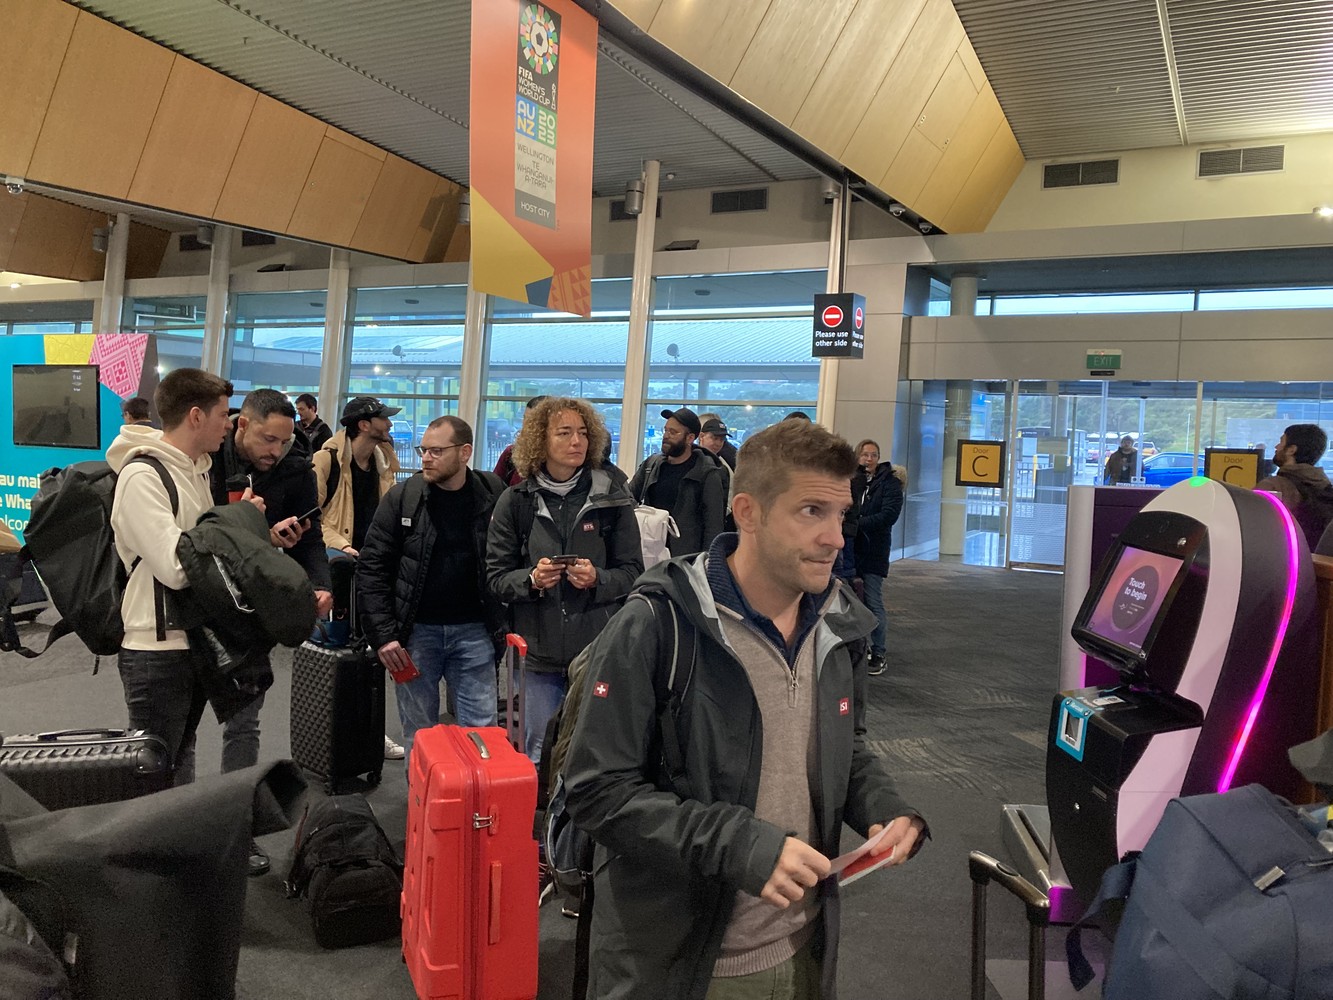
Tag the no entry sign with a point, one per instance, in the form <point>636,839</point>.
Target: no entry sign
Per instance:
<point>839,326</point>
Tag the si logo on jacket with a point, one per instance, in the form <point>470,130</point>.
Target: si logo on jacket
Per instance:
<point>844,706</point>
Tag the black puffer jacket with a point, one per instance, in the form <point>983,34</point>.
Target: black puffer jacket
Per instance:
<point>596,521</point>
<point>391,570</point>
<point>880,507</point>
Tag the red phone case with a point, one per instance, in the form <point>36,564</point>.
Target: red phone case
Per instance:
<point>470,876</point>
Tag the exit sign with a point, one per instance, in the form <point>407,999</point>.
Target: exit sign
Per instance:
<point>1104,362</point>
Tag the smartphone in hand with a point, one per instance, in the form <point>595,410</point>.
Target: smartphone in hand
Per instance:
<point>565,560</point>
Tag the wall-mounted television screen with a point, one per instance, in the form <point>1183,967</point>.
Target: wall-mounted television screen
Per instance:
<point>57,406</point>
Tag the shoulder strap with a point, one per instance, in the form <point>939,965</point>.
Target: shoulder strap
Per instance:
<point>1116,883</point>
<point>159,591</point>
<point>335,473</point>
<point>525,513</point>
<point>672,684</point>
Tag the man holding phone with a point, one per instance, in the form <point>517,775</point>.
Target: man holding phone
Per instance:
<point>263,456</point>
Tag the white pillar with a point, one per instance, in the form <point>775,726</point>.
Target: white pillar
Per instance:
<point>470,387</point>
<point>826,400</point>
<point>217,353</point>
<point>953,505</point>
<point>640,339</point>
<point>113,284</point>
<point>337,350</point>
<point>963,295</point>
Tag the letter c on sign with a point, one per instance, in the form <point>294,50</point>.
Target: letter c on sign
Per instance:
<point>975,471</point>
<point>1226,471</point>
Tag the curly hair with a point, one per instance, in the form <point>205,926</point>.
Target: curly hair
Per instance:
<point>530,445</point>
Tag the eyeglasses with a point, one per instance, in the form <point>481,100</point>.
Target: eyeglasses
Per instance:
<point>435,452</point>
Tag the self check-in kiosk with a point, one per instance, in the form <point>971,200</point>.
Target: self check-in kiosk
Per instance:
<point>1205,606</point>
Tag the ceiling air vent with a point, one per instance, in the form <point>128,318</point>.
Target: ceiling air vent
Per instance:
<point>1250,160</point>
<point>753,200</point>
<point>249,238</point>
<point>618,213</point>
<point>1063,175</point>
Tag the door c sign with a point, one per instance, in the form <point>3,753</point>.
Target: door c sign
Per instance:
<point>980,463</point>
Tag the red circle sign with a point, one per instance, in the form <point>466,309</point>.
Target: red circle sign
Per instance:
<point>832,316</point>
<point>860,317</point>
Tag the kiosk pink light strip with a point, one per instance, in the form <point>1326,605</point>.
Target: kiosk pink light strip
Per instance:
<point>1293,572</point>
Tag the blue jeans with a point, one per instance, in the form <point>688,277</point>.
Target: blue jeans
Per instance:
<point>875,602</point>
<point>240,738</point>
<point>163,697</point>
<point>463,657</point>
<point>543,692</point>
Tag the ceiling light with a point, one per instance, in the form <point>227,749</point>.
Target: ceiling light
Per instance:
<point>1324,211</point>
<point>377,369</point>
<point>634,197</point>
<point>15,284</point>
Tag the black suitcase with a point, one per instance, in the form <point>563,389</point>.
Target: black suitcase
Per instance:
<point>83,767</point>
<point>337,714</point>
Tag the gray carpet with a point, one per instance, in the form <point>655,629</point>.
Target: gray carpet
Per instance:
<point>959,718</point>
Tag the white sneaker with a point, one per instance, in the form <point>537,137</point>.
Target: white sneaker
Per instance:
<point>392,751</point>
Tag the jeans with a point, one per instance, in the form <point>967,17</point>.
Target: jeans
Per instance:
<point>874,600</point>
<point>798,978</point>
<point>543,693</point>
<point>164,697</point>
<point>463,657</point>
<point>240,738</point>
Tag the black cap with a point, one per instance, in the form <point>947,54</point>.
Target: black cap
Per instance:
<point>366,408</point>
<point>686,417</point>
<point>714,426</point>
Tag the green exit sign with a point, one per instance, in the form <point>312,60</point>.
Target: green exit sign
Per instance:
<point>1103,361</point>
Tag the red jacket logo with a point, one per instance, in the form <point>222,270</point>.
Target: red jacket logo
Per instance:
<point>601,689</point>
<point>844,706</point>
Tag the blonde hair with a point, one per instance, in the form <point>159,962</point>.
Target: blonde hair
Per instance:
<point>530,445</point>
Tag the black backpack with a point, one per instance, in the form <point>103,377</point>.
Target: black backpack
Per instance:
<point>70,542</point>
<point>1315,511</point>
<point>346,868</point>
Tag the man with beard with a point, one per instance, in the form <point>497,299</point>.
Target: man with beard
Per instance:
<point>354,470</point>
<point>711,873</point>
<point>685,481</point>
<point>262,453</point>
<point>421,589</point>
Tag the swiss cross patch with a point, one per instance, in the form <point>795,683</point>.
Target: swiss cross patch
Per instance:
<point>844,706</point>
<point>601,689</point>
<point>589,526</point>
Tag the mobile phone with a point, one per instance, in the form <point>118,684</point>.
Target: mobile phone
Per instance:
<point>565,560</point>
<point>308,514</point>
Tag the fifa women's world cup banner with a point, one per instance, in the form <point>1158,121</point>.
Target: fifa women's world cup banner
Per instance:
<point>534,81</point>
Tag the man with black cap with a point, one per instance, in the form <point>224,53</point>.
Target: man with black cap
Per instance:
<point>686,481</point>
<point>353,471</point>
<point>713,437</point>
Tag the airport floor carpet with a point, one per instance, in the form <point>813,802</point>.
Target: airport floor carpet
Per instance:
<point>959,718</point>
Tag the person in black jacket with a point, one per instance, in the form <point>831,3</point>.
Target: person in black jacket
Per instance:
<point>421,583</point>
<point>881,504</point>
<point>563,548</point>
<point>317,432</point>
<point>687,481</point>
<point>263,452</point>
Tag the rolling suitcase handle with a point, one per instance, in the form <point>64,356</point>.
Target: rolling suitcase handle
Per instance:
<point>982,869</point>
<point>516,648</point>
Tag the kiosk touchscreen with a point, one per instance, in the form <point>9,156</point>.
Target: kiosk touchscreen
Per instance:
<point>1204,605</point>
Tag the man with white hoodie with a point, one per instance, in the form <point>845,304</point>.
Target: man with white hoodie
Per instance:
<point>162,693</point>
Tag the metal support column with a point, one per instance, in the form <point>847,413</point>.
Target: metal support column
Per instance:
<point>826,401</point>
<point>337,334</point>
<point>470,385</point>
<point>640,338</point>
<point>217,352</point>
<point>113,283</point>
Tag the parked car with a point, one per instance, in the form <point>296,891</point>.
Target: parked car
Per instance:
<point>1166,468</point>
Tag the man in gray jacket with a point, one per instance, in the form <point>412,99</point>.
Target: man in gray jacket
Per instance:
<point>685,480</point>
<point>716,879</point>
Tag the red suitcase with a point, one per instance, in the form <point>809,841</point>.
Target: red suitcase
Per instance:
<point>470,877</point>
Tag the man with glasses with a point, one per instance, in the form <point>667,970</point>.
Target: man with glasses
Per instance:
<point>421,590</point>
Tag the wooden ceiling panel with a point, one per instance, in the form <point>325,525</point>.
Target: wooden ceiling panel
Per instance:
<point>12,208</point>
<point>911,168</point>
<point>846,85</point>
<point>393,217</point>
<point>88,264</point>
<point>974,68</point>
<point>787,54</point>
<point>335,194</point>
<point>905,89</point>
<point>641,12</point>
<point>352,142</point>
<point>101,110</point>
<point>948,104</point>
<point>961,157</point>
<point>51,237</point>
<point>32,48</point>
<point>143,255</point>
<point>430,245</point>
<point>987,185</point>
<point>272,163</point>
<point>193,141</point>
<point>712,36</point>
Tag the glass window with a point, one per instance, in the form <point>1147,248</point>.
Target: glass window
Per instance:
<point>1120,302</point>
<point>177,321</point>
<point>66,316</point>
<point>938,303</point>
<point>1255,414</point>
<point>1266,298</point>
<point>278,341</point>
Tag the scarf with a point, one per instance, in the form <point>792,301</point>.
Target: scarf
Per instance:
<point>559,489</point>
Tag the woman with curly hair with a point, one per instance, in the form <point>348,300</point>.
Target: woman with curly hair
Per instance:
<point>563,549</point>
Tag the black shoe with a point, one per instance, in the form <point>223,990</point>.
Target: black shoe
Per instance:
<point>878,664</point>
<point>258,861</point>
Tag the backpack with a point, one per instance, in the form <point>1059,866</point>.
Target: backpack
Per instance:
<point>1230,898</point>
<point>71,544</point>
<point>1315,511</point>
<point>655,525</point>
<point>568,849</point>
<point>345,867</point>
